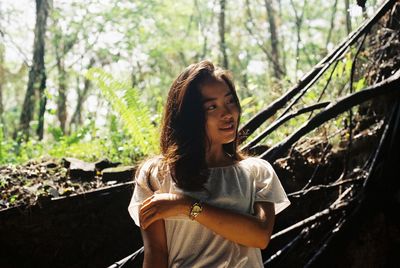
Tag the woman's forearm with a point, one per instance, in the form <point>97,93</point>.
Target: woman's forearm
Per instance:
<point>247,230</point>
<point>155,246</point>
<point>154,258</point>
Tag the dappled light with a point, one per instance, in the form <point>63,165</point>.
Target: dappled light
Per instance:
<point>83,88</point>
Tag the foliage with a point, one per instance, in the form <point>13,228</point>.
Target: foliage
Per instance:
<point>134,114</point>
<point>149,43</point>
<point>84,144</point>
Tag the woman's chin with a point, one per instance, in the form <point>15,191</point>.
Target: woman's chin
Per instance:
<point>229,139</point>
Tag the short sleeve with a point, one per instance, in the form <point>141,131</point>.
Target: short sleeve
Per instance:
<point>268,186</point>
<point>146,183</point>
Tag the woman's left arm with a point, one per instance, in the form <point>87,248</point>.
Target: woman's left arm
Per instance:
<point>252,231</point>
<point>247,230</point>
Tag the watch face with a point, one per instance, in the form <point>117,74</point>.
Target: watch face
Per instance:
<point>196,209</point>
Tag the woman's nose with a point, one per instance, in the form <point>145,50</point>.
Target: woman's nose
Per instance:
<point>226,112</point>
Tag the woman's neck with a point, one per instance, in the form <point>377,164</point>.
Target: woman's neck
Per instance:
<point>216,157</point>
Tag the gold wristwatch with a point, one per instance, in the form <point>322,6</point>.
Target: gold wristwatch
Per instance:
<point>195,210</point>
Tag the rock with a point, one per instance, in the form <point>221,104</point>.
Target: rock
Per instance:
<point>80,170</point>
<point>66,161</point>
<point>120,174</point>
<point>105,163</point>
<point>53,191</point>
<point>49,164</point>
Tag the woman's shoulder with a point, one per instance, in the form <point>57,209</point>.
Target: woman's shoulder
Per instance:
<point>150,163</point>
<point>255,162</point>
<point>258,167</point>
<point>149,167</point>
<point>150,173</point>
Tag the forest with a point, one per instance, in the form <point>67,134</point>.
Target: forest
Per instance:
<point>88,80</point>
<point>54,62</point>
<point>83,84</point>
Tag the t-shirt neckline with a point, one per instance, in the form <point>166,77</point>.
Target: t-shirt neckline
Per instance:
<point>228,166</point>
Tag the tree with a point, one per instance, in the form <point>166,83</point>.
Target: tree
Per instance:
<point>2,78</point>
<point>63,43</point>
<point>221,28</point>
<point>299,22</point>
<point>278,70</point>
<point>271,50</point>
<point>82,95</point>
<point>332,24</point>
<point>348,18</point>
<point>60,50</point>
<point>37,75</point>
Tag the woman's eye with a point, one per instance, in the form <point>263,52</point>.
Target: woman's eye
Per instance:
<point>211,107</point>
<point>231,100</point>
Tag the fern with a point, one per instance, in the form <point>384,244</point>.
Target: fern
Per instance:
<point>134,114</point>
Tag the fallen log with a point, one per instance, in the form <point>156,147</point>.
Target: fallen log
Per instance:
<point>262,116</point>
<point>281,121</point>
<point>389,86</point>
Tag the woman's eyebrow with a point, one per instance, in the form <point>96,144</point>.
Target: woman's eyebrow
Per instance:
<point>211,99</point>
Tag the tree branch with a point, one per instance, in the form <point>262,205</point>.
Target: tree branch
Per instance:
<point>262,116</point>
<point>385,87</point>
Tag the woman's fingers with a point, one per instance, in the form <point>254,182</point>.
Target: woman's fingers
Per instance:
<point>148,217</point>
<point>148,200</point>
<point>149,212</point>
<point>148,222</point>
<point>144,220</point>
<point>144,210</point>
<point>158,206</point>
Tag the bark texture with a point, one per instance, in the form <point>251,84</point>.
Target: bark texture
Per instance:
<point>278,72</point>
<point>82,95</point>
<point>221,28</point>
<point>37,75</point>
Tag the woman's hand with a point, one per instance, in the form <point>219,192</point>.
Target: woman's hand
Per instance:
<point>161,206</point>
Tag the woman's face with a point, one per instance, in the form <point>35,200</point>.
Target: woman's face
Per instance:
<point>221,112</point>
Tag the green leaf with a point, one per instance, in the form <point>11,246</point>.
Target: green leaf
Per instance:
<point>246,101</point>
<point>134,114</point>
<point>360,84</point>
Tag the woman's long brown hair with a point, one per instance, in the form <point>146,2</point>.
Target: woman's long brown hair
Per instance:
<point>183,136</point>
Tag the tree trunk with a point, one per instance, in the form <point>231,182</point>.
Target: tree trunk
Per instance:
<point>82,95</point>
<point>308,79</point>
<point>62,43</point>
<point>348,18</point>
<point>282,41</point>
<point>274,40</point>
<point>328,39</point>
<point>2,81</point>
<point>386,87</point>
<point>204,26</point>
<point>42,107</point>
<point>299,22</point>
<point>2,78</point>
<point>221,28</point>
<point>37,75</point>
<point>253,27</point>
<point>62,96</point>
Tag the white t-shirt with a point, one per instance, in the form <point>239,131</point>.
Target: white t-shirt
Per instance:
<point>235,187</point>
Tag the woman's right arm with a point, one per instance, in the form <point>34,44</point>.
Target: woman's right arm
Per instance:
<point>155,245</point>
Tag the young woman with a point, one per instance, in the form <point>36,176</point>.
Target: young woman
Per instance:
<point>201,203</point>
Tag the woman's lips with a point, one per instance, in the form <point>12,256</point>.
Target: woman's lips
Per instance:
<point>228,127</point>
